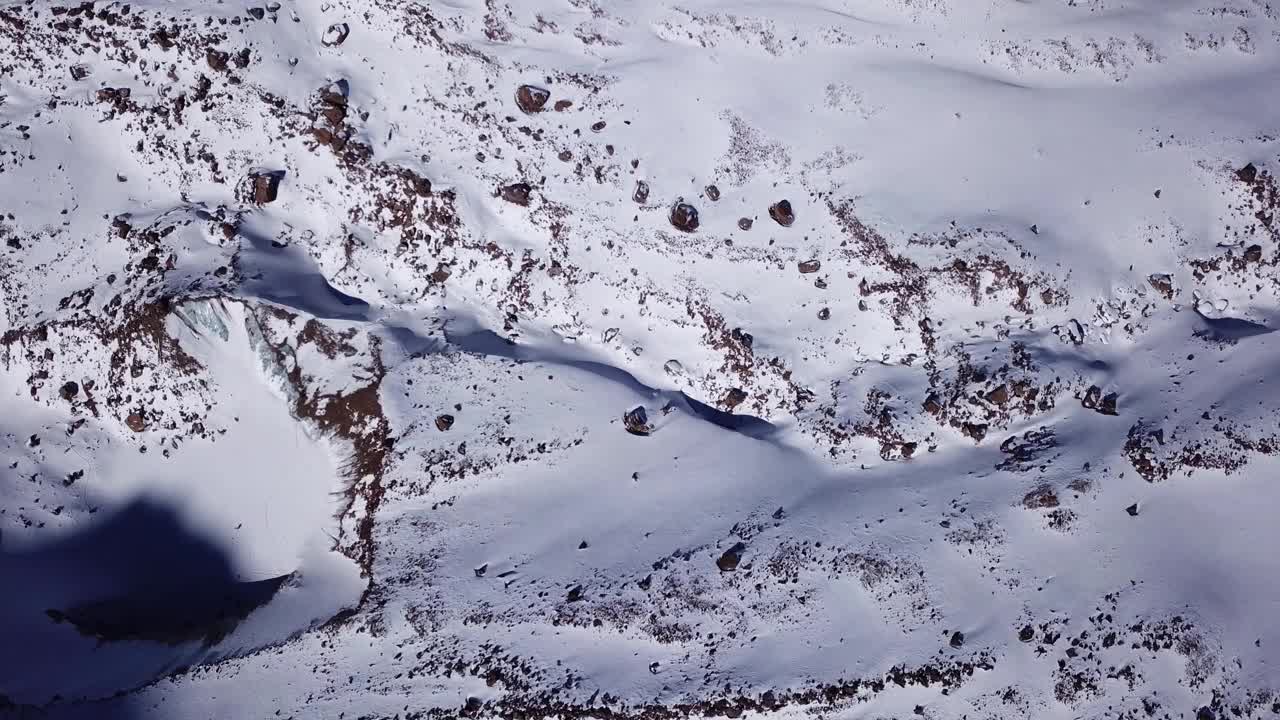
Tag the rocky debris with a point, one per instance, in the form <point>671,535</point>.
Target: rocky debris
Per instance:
<point>472,707</point>
<point>336,34</point>
<point>1096,401</point>
<point>1161,283</point>
<point>516,193</point>
<point>782,213</point>
<point>598,126</point>
<point>684,217</point>
<point>745,223</point>
<point>728,562</point>
<point>1027,633</point>
<point>1253,254</point>
<point>1040,498</point>
<point>733,398</point>
<point>330,116</point>
<point>1247,174</point>
<point>641,193</point>
<point>265,186</point>
<point>80,71</point>
<point>712,192</point>
<point>532,99</point>
<point>575,593</point>
<point>1027,450</point>
<point>809,266</point>
<point>957,640</point>
<point>1132,510</point>
<point>824,314</point>
<point>69,390</point>
<point>562,105</point>
<point>444,422</point>
<point>636,421</point>
<point>135,422</point>
<point>480,571</point>
<point>1205,713</point>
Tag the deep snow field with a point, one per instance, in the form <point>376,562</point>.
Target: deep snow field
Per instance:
<point>949,323</point>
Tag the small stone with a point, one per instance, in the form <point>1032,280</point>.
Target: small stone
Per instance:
<point>745,223</point>
<point>575,594</point>
<point>1026,633</point>
<point>1253,254</point>
<point>562,105</point>
<point>782,213</point>
<point>69,390</point>
<point>1035,229</point>
<point>336,34</point>
<point>684,217</point>
<point>79,71</point>
<point>135,422</point>
<point>636,421</point>
<point>583,545</point>
<point>531,99</point>
<point>444,422</point>
<point>809,266</point>
<point>728,562</point>
<point>598,126</point>
<point>517,193</point>
<point>957,639</point>
<point>1247,174</point>
<point>712,192</point>
<point>1205,713</point>
<point>824,314</point>
<point>257,13</point>
<point>1132,510</point>
<point>641,193</point>
<point>480,571</point>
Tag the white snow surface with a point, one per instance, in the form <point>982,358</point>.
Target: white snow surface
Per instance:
<point>308,412</point>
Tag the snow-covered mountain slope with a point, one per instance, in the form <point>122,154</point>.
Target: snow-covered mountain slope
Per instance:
<point>862,358</point>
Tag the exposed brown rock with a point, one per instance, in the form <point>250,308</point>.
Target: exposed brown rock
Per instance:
<point>135,422</point>
<point>712,192</point>
<point>217,59</point>
<point>562,105</point>
<point>266,187</point>
<point>782,213</point>
<point>517,193</point>
<point>728,562</point>
<point>531,99</point>
<point>734,398</point>
<point>1041,497</point>
<point>444,422</point>
<point>641,193</point>
<point>809,266</point>
<point>684,217</point>
<point>1247,174</point>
